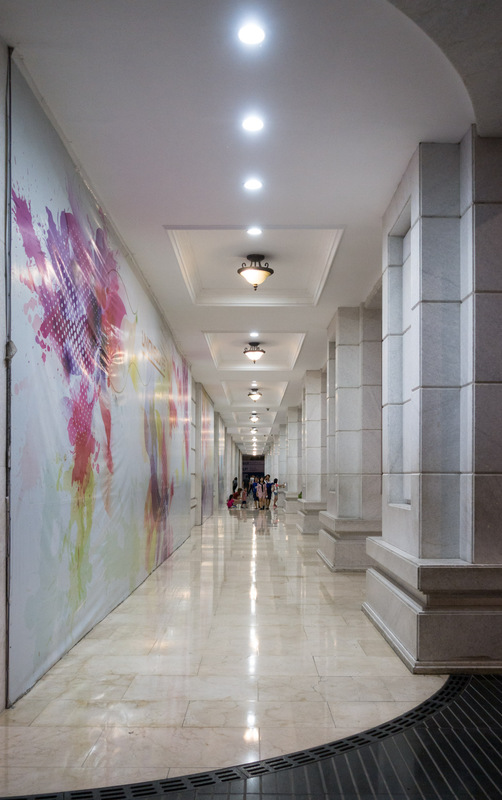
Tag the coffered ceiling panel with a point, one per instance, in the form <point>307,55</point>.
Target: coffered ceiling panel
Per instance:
<point>300,257</point>
<point>281,351</point>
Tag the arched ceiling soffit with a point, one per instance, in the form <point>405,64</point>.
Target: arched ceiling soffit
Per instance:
<point>469,34</point>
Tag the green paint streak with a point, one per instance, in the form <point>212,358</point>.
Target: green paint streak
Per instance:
<point>78,538</point>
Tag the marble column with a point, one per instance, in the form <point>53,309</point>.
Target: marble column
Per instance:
<point>282,471</point>
<point>314,477</point>
<point>293,459</point>
<point>272,458</point>
<point>354,439</point>
<point>435,591</point>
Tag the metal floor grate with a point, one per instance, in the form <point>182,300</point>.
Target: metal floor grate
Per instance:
<point>449,748</point>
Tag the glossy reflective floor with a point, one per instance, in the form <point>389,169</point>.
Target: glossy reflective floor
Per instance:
<point>242,646</point>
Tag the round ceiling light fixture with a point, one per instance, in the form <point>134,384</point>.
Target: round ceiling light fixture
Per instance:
<point>254,352</point>
<point>253,184</point>
<point>254,417</point>
<point>254,230</point>
<point>254,272</point>
<point>253,123</point>
<point>251,34</point>
<point>254,395</point>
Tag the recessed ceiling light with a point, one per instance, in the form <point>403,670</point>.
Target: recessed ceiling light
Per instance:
<point>254,334</point>
<point>253,184</point>
<point>252,123</point>
<point>254,231</point>
<point>251,34</point>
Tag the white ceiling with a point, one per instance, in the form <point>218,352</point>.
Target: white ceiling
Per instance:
<point>149,98</point>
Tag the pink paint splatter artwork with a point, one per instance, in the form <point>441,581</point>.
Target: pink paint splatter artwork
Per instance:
<point>80,313</point>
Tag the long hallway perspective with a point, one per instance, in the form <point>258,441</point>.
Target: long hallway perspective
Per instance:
<point>241,646</point>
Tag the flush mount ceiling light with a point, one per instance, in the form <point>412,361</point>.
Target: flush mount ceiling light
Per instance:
<point>252,123</point>
<point>251,34</point>
<point>254,352</point>
<point>254,417</point>
<point>254,230</point>
<point>254,430</point>
<point>253,184</point>
<point>254,272</point>
<point>254,395</point>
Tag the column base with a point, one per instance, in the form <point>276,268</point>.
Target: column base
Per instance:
<point>291,503</point>
<point>308,516</point>
<point>281,499</point>
<point>342,542</point>
<point>440,616</point>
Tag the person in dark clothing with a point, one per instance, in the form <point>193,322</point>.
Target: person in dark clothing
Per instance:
<point>268,484</point>
<point>234,484</point>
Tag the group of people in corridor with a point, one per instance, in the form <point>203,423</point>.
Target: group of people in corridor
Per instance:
<point>262,492</point>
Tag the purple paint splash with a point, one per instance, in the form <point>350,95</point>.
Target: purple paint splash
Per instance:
<point>79,319</point>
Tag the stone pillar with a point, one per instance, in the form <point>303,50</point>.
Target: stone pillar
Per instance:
<point>354,439</point>
<point>282,472</point>
<point>293,459</point>
<point>272,457</point>
<point>314,486</point>
<point>435,591</point>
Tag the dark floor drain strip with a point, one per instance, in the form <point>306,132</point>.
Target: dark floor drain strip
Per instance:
<point>448,748</point>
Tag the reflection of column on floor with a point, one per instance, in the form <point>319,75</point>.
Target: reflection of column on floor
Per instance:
<point>313,498</point>
<point>354,499</point>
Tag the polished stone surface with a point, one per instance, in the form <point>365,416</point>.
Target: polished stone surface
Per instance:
<point>242,646</point>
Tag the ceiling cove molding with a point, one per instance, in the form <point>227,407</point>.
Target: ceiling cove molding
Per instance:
<point>210,343</point>
<point>213,297</point>
<point>335,243</point>
<point>296,353</point>
<point>183,251</point>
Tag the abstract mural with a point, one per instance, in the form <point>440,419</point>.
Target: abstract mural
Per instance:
<point>100,484</point>
<point>207,455</point>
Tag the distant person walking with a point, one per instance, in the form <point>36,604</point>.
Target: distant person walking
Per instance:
<point>261,494</point>
<point>275,491</point>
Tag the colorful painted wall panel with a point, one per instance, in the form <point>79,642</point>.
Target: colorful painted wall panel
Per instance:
<point>222,494</point>
<point>100,486</point>
<point>207,454</point>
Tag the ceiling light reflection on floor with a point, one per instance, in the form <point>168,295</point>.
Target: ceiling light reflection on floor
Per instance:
<point>252,735</point>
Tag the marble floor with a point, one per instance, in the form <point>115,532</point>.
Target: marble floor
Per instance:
<point>241,646</point>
